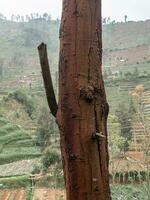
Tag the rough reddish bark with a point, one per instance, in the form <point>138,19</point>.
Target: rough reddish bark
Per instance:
<point>82,108</point>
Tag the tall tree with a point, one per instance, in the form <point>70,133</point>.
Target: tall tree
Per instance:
<point>125,18</point>
<point>125,115</point>
<point>82,107</point>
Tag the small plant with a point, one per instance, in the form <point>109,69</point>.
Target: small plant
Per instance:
<point>17,114</point>
<point>29,194</point>
<point>50,158</point>
<point>36,169</point>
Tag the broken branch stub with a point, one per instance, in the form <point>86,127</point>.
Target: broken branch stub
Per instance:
<point>51,99</point>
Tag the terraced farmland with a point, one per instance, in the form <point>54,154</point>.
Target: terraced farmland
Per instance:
<point>15,143</point>
<point>38,194</point>
<point>18,194</point>
<point>141,126</point>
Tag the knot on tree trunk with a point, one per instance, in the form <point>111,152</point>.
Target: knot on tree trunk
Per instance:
<point>89,92</point>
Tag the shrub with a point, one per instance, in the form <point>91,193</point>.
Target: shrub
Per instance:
<point>36,169</point>
<point>22,98</point>
<point>50,158</point>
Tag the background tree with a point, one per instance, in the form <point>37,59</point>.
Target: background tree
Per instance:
<point>116,142</point>
<point>125,18</point>
<point>45,16</point>
<point>47,131</point>
<point>125,120</point>
<point>136,74</point>
<point>44,129</point>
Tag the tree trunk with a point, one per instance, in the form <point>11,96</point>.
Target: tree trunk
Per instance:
<point>82,108</point>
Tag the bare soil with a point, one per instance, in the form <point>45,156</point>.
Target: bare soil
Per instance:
<point>39,194</point>
<point>12,194</point>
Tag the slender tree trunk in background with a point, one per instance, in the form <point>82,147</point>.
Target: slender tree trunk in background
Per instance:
<point>82,108</point>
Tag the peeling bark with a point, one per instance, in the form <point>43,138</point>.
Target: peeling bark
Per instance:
<point>83,108</point>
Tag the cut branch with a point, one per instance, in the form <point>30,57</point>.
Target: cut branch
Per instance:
<point>42,49</point>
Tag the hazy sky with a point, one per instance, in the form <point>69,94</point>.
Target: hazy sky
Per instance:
<point>116,9</point>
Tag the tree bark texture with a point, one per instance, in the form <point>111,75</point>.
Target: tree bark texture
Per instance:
<point>83,108</point>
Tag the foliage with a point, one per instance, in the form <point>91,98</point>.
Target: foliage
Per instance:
<point>58,176</point>
<point>24,99</point>
<point>128,192</point>
<point>132,75</point>
<point>44,129</point>
<point>132,108</point>
<point>50,158</point>
<point>29,194</point>
<point>36,169</point>
<point>125,119</point>
<point>47,128</point>
<point>128,75</point>
<point>136,73</point>
<point>116,141</point>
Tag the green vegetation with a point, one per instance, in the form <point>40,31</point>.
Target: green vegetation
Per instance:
<point>15,182</point>
<point>125,121</point>
<point>128,192</point>
<point>50,158</point>
<point>16,142</point>
<point>116,140</point>
<point>44,130</point>
<point>27,102</point>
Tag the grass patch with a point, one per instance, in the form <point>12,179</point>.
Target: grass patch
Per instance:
<point>128,192</point>
<point>8,128</point>
<point>21,150</point>
<point>16,182</point>
<point>3,121</point>
<point>17,135</point>
<point>4,159</point>
<point>23,143</point>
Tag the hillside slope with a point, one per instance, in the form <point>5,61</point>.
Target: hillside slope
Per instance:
<point>126,35</point>
<point>18,40</point>
<point>16,133</point>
